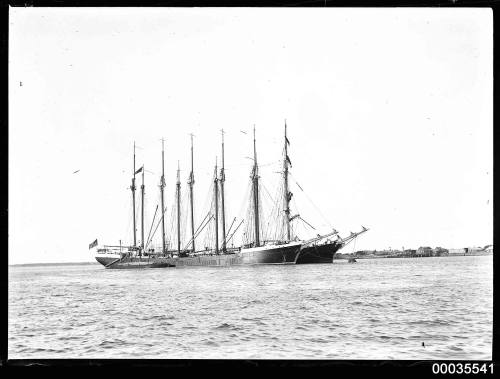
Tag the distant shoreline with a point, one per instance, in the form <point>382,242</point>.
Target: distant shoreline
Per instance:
<point>349,256</point>
<point>54,264</point>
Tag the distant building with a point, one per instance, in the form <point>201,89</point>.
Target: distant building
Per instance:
<point>456,251</point>
<point>474,249</point>
<point>409,253</point>
<point>439,251</point>
<point>485,249</point>
<point>424,251</point>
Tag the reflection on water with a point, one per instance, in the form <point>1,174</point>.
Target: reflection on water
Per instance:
<point>373,309</point>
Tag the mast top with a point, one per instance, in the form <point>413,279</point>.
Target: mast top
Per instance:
<point>191,174</point>
<point>134,159</point>
<point>222,178</point>
<point>162,180</point>
<point>254,147</point>
<point>178,173</point>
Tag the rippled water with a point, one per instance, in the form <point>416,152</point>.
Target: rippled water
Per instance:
<point>373,309</point>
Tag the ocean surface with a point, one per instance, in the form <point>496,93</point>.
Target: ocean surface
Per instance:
<point>372,309</point>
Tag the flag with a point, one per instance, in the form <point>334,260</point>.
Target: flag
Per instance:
<point>288,159</point>
<point>287,141</point>
<point>93,244</point>
<point>138,171</point>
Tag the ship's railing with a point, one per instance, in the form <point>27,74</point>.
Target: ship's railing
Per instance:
<point>114,249</point>
<point>110,251</point>
<point>267,243</point>
<point>210,252</point>
<point>317,238</point>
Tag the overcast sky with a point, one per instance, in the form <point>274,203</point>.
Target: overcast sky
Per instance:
<point>389,115</point>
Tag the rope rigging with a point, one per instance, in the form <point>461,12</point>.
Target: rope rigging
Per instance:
<point>312,203</point>
<point>354,245</point>
<point>149,235</point>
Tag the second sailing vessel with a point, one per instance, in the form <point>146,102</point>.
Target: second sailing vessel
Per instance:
<point>135,256</point>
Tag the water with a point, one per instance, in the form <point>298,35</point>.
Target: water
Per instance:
<point>373,309</point>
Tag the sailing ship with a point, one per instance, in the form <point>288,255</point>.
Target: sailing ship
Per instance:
<point>283,249</point>
<point>136,255</point>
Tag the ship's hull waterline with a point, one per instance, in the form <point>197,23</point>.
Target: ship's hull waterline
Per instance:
<point>279,254</point>
<point>319,253</point>
<point>133,262</point>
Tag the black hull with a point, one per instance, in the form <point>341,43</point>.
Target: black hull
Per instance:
<point>273,255</point>
<point>279,254</point>
<point>318,253</point>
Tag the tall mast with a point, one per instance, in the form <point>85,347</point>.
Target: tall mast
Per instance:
<point>255,180</point>
<point>162,186</point>
<point>178,197</point>
<point>216,203</point>
<point>191,182</point>
<point>222,180</point>
<point>287,194</point>
<point>142,210</point>
<point>132,187</point>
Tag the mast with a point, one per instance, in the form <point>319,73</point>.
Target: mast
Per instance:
<point>222,180</point>
<point>178,197</point>
<point>287,194</point>
<point>162,186</point>
<point>216,202</point>
<point>255,180</point>
<point>132,187</point>
<point>191,182</point>
<point>142,211</point>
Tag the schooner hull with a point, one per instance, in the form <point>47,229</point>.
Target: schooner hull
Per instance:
<point>319,253</point>
<point>106,260</point>
<point>281,254</point>
<point>135,262</point>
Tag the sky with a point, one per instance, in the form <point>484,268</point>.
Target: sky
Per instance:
<point>389,115</point>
